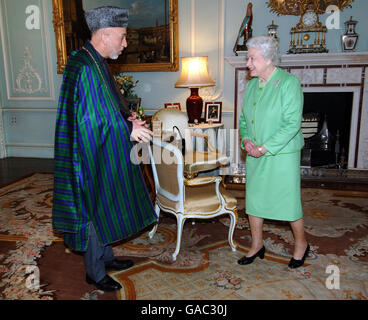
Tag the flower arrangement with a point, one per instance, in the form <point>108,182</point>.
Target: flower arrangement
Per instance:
<point>141,113</point>
<point>126,85</point>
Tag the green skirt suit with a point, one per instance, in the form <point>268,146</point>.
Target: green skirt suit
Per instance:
<point>271,116</point>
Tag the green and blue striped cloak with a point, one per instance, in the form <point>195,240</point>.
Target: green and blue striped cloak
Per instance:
<point>95,180</point>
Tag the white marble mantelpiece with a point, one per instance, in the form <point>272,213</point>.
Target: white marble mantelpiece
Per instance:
<point>326,72</point>
<point>315,59</point>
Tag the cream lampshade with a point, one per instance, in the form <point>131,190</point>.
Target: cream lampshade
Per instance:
<point>194,75</point>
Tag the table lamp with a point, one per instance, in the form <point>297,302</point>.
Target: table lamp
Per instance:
<point>194,75</point>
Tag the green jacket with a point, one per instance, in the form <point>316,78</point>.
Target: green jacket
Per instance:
<point>271,116</point>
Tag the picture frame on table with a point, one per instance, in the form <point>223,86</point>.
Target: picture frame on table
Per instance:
<point>134,103</point>
<point>175,105</point>
<point>213,112</point>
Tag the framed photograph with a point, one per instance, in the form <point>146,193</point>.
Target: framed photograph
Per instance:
<point>152,35</point>
<point>134,103</point>
<point>175,105</point>
<point>213,112</point>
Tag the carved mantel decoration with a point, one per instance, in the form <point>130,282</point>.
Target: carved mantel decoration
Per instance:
<point>298,7</point>
<point>309,35</point>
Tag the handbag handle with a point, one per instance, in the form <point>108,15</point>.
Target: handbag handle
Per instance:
<point>182,140</point>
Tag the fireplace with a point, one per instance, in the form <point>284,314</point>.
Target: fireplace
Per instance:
<point>326,127</point>
<point>330,78</point>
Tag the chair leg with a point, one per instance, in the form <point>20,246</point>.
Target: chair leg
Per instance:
<point>233,220</point>
<point>153,231</point>
<point>180,223</point>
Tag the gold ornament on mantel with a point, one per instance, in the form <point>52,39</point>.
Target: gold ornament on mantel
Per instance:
<point>309,35</point>
<point>298,7</point>
<point>301,40</point>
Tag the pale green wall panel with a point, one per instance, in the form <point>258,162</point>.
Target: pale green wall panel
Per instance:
<point>26,50</point>
<point>36,122</point>
<point>29,130</point>
<point>31,151</point>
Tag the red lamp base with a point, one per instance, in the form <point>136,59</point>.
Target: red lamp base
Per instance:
<point>194,106</point>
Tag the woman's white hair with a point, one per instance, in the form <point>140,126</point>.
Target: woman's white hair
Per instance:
<point>269,47</point>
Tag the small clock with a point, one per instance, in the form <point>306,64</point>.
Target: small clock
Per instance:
<point>309,18</point>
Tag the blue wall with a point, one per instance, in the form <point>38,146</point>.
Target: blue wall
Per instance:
<point>206,27</point>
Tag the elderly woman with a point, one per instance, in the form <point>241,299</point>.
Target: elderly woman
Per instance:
<point>270,129</point>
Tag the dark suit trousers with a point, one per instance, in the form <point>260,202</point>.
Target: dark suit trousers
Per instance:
<point>96,256</point>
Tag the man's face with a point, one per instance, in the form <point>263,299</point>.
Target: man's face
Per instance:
<point>115,41</point>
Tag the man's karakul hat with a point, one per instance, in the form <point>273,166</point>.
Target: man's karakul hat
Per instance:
<point>107,17</point>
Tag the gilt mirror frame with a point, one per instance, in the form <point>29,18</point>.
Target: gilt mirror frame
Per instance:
<point>116,67</point>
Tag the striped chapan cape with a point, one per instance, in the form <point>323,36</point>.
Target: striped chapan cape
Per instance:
<point>95,180</point>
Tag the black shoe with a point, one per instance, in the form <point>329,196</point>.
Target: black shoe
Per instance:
<point>293,264</point>
<point>106,284</point>
<point>249,260</point>
<point>119,265</point>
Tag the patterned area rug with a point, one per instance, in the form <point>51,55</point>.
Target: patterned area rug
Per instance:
<point>336,269</point>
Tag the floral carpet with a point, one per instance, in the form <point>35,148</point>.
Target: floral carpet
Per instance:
<point>336,224</point>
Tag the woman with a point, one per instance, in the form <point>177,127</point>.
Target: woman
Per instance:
<point>270,129</point>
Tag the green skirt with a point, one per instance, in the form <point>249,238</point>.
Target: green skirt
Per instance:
<point>273,187</point>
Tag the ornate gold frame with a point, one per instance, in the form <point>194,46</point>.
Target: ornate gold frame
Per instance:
<point>173,65</point>
<point>297,7</point>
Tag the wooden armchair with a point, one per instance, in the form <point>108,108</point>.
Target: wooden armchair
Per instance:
<point>198,198</point>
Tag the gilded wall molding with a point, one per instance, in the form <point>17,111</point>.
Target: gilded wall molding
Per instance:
<point>58,22</point>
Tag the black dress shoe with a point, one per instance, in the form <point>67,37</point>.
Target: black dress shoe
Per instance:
<point>106,284</point>
<point>119,265</point>
<point>248,260</point>
<point>293,264</point>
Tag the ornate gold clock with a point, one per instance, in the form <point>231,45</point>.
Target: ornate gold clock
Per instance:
<point>309,35</point>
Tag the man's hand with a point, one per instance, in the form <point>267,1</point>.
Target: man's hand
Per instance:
<point>133,116</point>
<point>140,132</point>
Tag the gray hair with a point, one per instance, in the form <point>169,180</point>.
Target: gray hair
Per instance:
<point>269,47</point>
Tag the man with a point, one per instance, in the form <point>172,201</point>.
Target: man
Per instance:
<point>99,194</point>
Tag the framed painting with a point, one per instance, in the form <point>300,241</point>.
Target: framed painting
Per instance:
<point>152,38</point>
<point>175,105</point>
